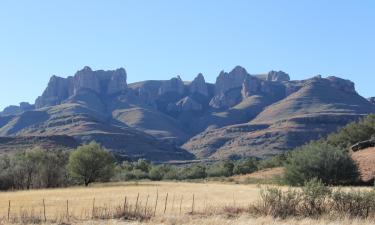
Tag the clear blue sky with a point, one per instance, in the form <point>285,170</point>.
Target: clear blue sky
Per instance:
<point>158,39</point>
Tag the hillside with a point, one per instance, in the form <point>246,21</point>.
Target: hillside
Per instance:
<point>161,120</point>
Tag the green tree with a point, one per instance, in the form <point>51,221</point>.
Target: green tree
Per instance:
<point>245,166</point>
<point>325,162</point>
<point>91,163</point>
<point>221,169</point>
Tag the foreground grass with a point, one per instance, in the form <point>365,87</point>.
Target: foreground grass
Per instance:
<point>214,203</point>
<point>78,202</point>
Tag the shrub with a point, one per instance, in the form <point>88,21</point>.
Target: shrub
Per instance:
<point>245,166</point>
<point>156,173</point>
<point>354,203</point>
<point>354,132</point>
<point>221,169</point>
<point>314,196</point>
<point>193,172</point>
<point>319,160</point>
<point>275,161</point>
<point>277,203</point>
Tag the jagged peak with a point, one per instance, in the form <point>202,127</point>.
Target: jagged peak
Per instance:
<point>277,76</point>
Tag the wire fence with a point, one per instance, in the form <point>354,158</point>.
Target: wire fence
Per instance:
<point>141,206</point>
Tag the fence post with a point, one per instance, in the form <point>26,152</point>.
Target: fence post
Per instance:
<point>156,202</point>
<point>8,210</point>
<point>44,211</point>
<point>93,209</point>
<point>166,201</point>
<point>125,204</point>
<point>192,206</point>
<point>146,204</point>
<point>67,210</point>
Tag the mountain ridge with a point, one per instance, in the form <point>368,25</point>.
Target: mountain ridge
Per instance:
<point>240,115</point>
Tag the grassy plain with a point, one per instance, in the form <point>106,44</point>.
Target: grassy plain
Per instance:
<point>209,199</point>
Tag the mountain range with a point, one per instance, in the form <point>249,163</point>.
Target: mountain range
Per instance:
<point>240,115</point>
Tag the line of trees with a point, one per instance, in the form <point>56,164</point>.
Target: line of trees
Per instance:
<point>39,168</point>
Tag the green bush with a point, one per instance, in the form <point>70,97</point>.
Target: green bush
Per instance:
<point>221,169</point>
<point>330,164</point>
<point>354,203</point>
<point>245,166</point>
<point>277,203</point>
<point>275,161</point>
<point>314,197</point>
<point>197,171</point>
<point>353,133</point>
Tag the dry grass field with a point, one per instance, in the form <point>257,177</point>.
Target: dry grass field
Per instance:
<point>209,199</point>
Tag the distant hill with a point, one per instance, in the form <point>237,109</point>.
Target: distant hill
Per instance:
<point>161,120</point>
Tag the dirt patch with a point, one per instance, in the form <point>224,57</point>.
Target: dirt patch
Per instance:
<point>365,160</point>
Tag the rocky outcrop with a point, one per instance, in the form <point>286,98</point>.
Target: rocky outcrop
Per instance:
<point>372,100</point>
<point>117,82</point>
<point>58,90</point>
<point>16,109</point>
<point>174,85</point>
<point>101,82</point>
<point>251,86</point>
<point>228,88</point>
<point>342,84</point>
<point>199,86</point>
<point>277,76</point>
<point>241,114</point>
<point>226,81</point>
<point>186,104</point>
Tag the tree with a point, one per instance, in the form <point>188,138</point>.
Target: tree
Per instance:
<point>328,163</point>
<point>245,166</point>
<point>91,163</point>
<point>221,169</point>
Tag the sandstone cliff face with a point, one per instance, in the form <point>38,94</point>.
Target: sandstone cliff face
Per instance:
<point>278,76</point>
<point>174,85</point>
<point>14,109</point>
<point>234,79</point>
<point>199,86</point>
<point>186,104</point>
<point>241,114</point>
<point>101,82</point>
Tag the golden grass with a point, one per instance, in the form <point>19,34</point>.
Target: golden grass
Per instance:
<point>208,197</point>
<point>80,199</point>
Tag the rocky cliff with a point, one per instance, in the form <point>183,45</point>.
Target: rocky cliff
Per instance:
<point>241,114</point>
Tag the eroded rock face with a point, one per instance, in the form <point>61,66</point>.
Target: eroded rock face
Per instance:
<point>100,82</point>
<point>58,90</point>
<point>186,104</point>
<point>277,76</point>
<point>342,84</point>
<point>199,86</point>
<point>117,82</point>
<point>86,79</point>
<point>372,100</point>
<point>174,85</point>
<point>234,79</point>
<point>228,88</point>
